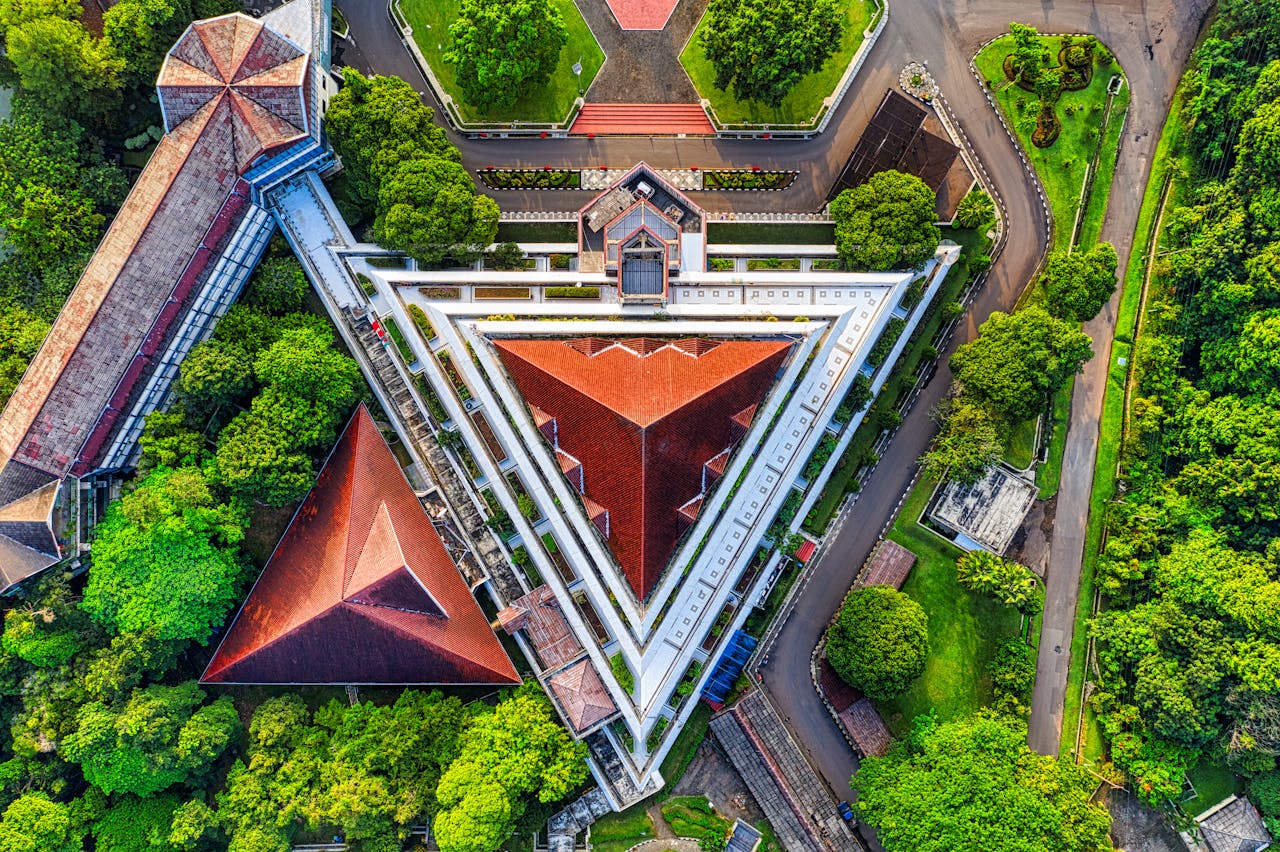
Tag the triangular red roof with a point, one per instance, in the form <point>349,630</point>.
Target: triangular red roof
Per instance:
<point>360,589</point>
<point>643,418</point>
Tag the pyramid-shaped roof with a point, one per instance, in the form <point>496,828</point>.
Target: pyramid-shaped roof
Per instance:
<point>360,589</point>
<point>253,78</point>
<point>582,695</point>
<point>642,416</point>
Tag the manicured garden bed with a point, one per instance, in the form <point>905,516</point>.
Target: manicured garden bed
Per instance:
<point>502,293</point>
<point>549,103</point>
<point>531,178</point>
<point>1062,166</point>
<point>802,104</point>
<point>572,292</point>
<point>743,179</point>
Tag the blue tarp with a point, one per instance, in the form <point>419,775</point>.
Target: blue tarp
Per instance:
<point>729,667</point>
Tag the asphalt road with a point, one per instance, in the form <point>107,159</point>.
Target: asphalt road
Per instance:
<point>946,35</point>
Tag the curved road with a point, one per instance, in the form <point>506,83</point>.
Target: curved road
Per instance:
<point>1151,38</point>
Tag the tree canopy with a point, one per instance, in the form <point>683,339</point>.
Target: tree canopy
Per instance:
<point>501,49</point>
<point>975,210</point>
<point>164,558</point>
<point>969,444</point>
<point>762,48</point>
<point>1018,360</point>
<point>886,223</point>
<point>160,737</point>
<point>1077,284</point>
<point>973,784</point>
<point>879,641</point>
<point>403,170</point>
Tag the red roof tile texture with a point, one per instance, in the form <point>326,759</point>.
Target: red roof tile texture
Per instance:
<point>360,589</point>
<point>643,426</point>
<point>231,90</point>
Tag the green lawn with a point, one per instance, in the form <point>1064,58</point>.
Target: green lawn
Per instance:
<point>1213,783</point>
<point>1020,448</point>
<point>618,832</point>
<point>1112,425</point>
<point>803,103</point>
<point>1062,166</point>
<point>549,103</point>
<point>963,628</point>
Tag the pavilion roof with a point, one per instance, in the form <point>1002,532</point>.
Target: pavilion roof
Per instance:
<point>360,589</point>
<point>643,416</point>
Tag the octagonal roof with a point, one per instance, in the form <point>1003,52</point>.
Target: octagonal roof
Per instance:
<point>244,73</point>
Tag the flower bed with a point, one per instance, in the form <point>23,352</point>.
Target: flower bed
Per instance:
<point>531,178</point>
<point>745,179</point>
<point>419,317</point>
<point>441,292</point>
<point>572,292</point>
<point>502,293</point>
<point>756,264</point>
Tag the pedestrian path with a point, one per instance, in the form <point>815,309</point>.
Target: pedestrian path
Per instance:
<point>642,120</point>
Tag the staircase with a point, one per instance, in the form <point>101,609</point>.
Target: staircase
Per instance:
<point>643,120</point>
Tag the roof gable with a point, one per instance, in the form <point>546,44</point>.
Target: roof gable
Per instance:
<point>360,589</point>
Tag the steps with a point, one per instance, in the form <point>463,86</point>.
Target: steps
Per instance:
<point>642,120</point>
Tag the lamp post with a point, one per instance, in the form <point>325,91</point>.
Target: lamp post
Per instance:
<point>577,69</point>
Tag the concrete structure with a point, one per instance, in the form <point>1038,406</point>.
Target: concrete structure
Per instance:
<point>503,348</point>
<point>241,102</point>
<point>986,514</point>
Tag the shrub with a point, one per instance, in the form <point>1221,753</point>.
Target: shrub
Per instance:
<point>1013,668</point>
<point>571,292</point>
<point>884,344</point>
<point>879,641</point>
<point>419,317</point>
<point>622,672</point>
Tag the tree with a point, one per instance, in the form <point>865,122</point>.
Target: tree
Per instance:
<point>975,210</point>
<point>164,557</point>
<point>969,445</point>
<point>374,123</point>
<point>215,373</point>
<point>258,460</point>
<point>21,333</point>
<point>64,66</point>
<point>1019,360</point>
<point>886,223</point>
<point>1013,668</point>
<point>762,48</point>
<point>1009,582</point>
<point>141,32</point>
<point>1077,284</point>
<point>973,784</point>
<point>1028,53</point>
<point>278,285</point>
<point>517,750</point>
<point>160,737</point>
<point>35,823</point>
<point>429,208</point>
<point>503,48</point>
<point>167,441</point>
<point>133,824</point>
<point>879,641</point>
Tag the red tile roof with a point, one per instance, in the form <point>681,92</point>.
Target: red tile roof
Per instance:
<point>643,420</point>
<point>582,696</point>
<point>360,589</point>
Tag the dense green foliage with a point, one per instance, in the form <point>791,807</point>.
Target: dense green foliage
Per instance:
<point>975,210</point>
<point>886,223</point>
<point>165,558</point>
<point>1013,669</point>
<point>404,171</point>
<point>1077,284</point>
<point>879,641</point>
<point>1018,361</point>
<point>762,48</point>
<point>503,48</point>
<point>1187,643</point>
<point>160,737</point>
<point>973,784</point>
<point>969,444</point>
<point>1009,582</point>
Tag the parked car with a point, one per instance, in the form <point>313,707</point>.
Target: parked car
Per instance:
<point>846,811</point>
